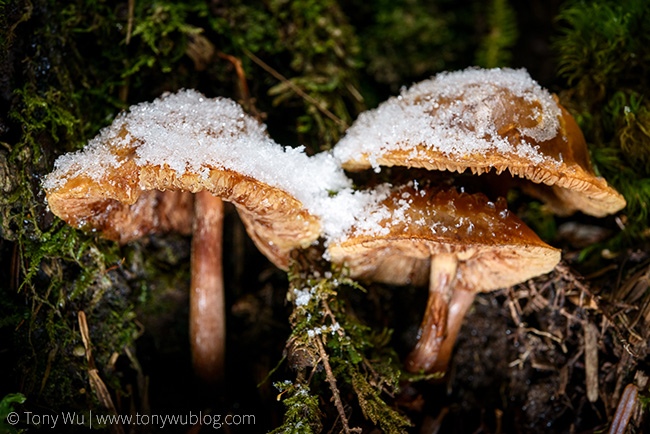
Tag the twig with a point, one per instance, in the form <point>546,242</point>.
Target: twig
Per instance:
<point>295,88</point>
<point>243,85</point>
<point>129,23</point>
<point>591,361</point>
<point>366,362</point>
<point>114,267</point>
<point>548,335</point>
<point>624,410</point>
<point>50,359</point>
<point>328,312</point>
<point>515,308</point>
<point>335,391</point>
<point>581,286</point>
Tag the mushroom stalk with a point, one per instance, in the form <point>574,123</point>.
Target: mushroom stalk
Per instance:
<point>433,329</point>
<point>461,300</point>
<point>207,307</point>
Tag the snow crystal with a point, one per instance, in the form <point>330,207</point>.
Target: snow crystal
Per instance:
<point>350,208</point>
<point>303,296</point>
<point>465,126</point>
<point>312,333</point>
<point>377,216</point>
<point>190,133</point>
<point>323,329</point>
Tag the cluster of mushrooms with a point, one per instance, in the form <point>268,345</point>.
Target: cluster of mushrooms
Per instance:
<point>167,165</point>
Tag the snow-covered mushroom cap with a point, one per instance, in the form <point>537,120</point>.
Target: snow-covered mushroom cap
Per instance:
<point>493,247</point>
<point>138,175</point>
<point>482,120</point>
<point>187,142</point>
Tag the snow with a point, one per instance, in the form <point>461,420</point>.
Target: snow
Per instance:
<point>303,296</point>
<point>190,133</point>
<point>353,208</point>
<point>465,125</point>
<point>324,329</point>
<point>449,213</point>
<point>388,207</point>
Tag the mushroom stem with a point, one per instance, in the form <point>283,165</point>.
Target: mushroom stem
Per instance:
<point>433,328</point>
<point>207,308</point>
<point>461,300</point>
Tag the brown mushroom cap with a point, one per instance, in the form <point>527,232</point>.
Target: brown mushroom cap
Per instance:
<point>181,142</point>
<point>494,248</point>
<point>483,120</point>
<point>127,214</point>
<point>137,177</point>
<point>462,243</point>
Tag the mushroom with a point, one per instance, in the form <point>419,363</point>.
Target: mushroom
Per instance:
<point>463,243</point>
<point>127,182</point>
<point>483,120</point>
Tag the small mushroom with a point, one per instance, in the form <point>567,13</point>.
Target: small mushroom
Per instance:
<point>484,120</point>
<point>462,243</point>
<point>128,181</point>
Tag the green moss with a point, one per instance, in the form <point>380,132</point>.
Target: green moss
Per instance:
<point>60,270</point>
<point>323,59</point>
<point>495,48</point>
<point>328,342</point>
<point>628,116</point>
<point>88,60</point>
<point>604,45</point>
<point>6,407</point>
<point>164,30</point>
<point>50,111</point>
<point>407,40</point>
<point>604,53</point>
<point>302,414</point>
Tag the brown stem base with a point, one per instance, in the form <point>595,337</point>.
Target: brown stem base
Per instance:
<point>461,300</point>
<point>207,307</point>
<point>431,335</point>
<point>434,325</point>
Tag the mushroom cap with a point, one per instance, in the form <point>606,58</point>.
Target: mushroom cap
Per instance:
<point>493,247</point>
<point>185,142</point>
<point>482,120</point>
